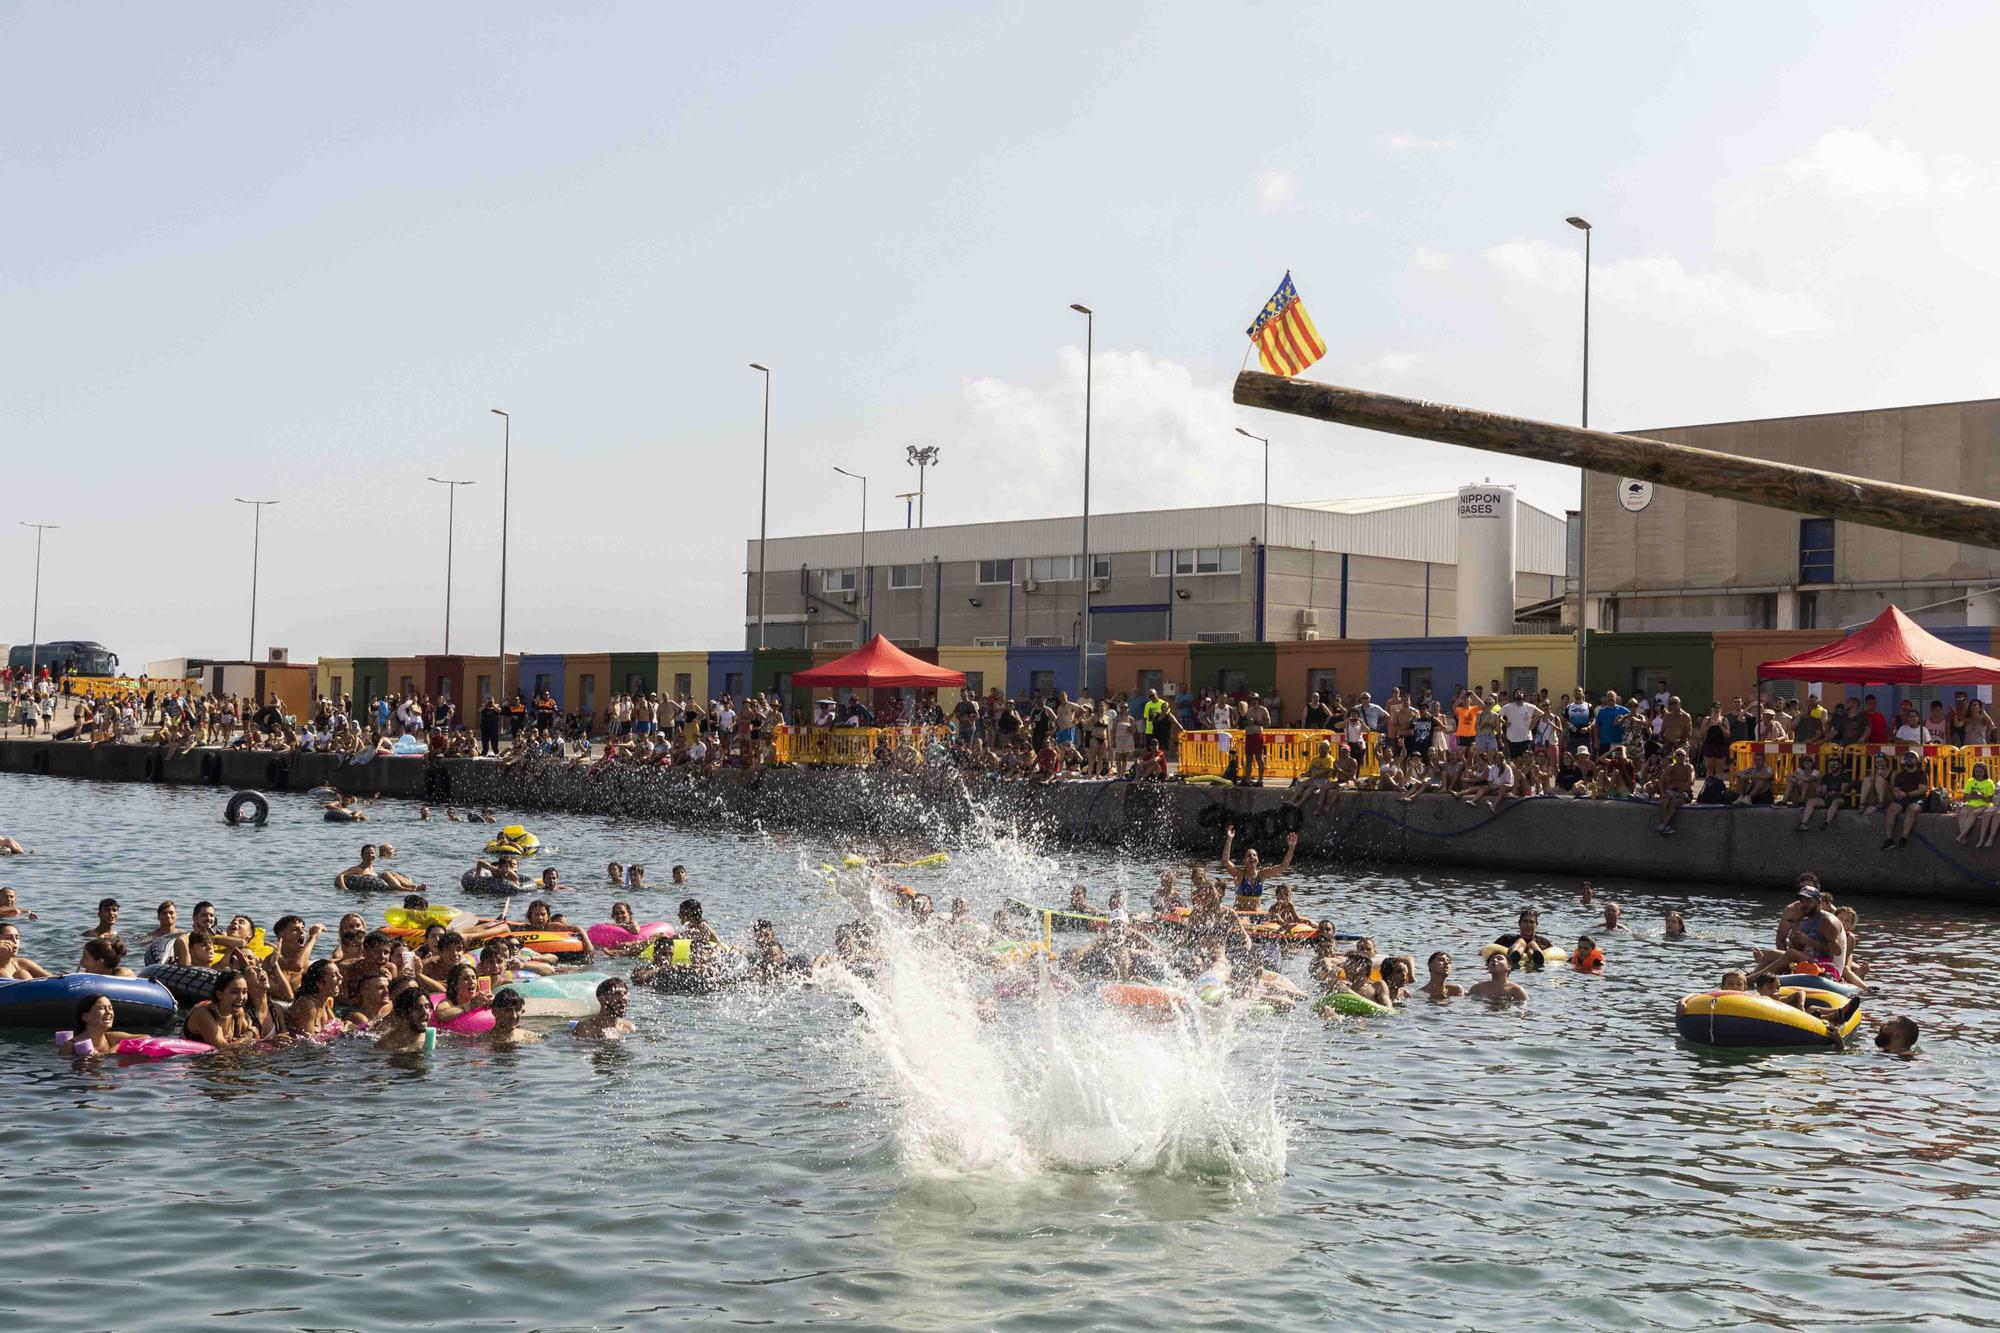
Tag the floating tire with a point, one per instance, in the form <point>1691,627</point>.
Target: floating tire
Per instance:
<point>260,809</point>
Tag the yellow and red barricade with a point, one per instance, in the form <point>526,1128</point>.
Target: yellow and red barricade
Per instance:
<point>1288,752</point>
<point>848,746</point>
<point>1944,765</point>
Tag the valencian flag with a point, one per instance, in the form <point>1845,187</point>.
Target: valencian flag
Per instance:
<point>1286,340</point>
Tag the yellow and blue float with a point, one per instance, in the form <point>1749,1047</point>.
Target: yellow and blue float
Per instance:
<point>1747,1019</point>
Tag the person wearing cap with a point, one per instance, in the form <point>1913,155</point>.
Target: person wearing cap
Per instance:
<point>1908,786</point>
<point>1810,937</point>
<point>1256,717</point>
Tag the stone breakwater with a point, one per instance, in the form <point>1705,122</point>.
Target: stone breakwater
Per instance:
<point>1755,848</point>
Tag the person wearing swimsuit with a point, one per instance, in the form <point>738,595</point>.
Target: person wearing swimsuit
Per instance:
<point>1250,875</point>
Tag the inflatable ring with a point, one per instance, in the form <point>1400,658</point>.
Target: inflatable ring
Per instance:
<point>1745,1018</point>
<point>233,812</point>
<point>188,985</point>
<point>341,816</point>
<point>1350,1005</point>
<point>1155,1001</point>
<point>366,884</point>
<point>513,841</point>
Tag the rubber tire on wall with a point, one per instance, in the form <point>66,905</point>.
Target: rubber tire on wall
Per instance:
<point>211,767</point>
<point>156,767</point>
<point>1268,824</point>
<point>1213,815</point>
<point>278,774</point>
<point>1291,818</point>
<point>40,762</point>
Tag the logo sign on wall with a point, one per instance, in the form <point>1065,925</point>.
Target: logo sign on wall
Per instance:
<point>1633,494</point>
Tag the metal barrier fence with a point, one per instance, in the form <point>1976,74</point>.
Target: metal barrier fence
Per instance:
<point>851,746</point>
<point>1287,753</point>
<point>1945,766</point>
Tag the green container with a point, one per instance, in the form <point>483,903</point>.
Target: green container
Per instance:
<point>1682,661</point>
<point>1235,668</point>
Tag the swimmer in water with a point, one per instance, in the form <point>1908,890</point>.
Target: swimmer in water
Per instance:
<point>1524,946</point>
<point>1589,894</point>
<point>397,879</point>
<point>1612,917</point>
<point>609,1022</point>
<point>635,876</point>
<point>365,869</point>
<point>93,1031</point>
<point>13,965</point>
<point>1395,981</point>
<point>295,946</point>
<point>348,937</point>
<point>107,919</point>
<point>549,882</point>
<point>311,1012</point>
<point>9,847</point>
<point>1499,985</point>
<point>224,1020</point>
<point>508,1007</point>
<point>1676,926</point>
<point>1586,956</point>
<point>409,1016</point>
<point>10,907</point>
<point>1896,1036</point>
<point>461,995</point>
<point>680,876</point>
<point>616,873</point>
<point>166,942</point>
<point>105,957</point>
<point>1734,980</point>
<point>1441,986</point>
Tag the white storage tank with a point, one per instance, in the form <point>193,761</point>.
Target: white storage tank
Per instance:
<point>1486,559</point>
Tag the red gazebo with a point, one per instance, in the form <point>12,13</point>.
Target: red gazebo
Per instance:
<point>879,665</point>
<point>1891,649</point>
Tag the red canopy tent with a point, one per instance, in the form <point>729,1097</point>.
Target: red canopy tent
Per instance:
<point>881,665</point>
<point>1891,649</point>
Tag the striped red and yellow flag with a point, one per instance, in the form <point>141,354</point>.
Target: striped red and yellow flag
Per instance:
<point>1286,340</point>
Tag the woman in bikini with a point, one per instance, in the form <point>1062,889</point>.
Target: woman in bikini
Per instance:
<point>93,1033</point>
<point>224,1020</point>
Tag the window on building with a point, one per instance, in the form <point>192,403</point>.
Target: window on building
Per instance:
<point>1152,680</point>
<point>1323,681</point>
<point>906,576</point>
<point>989,641</point>
<point>1764,610</point>
<point>586,689</point>
<point>1230,681</point>
<point>1808,610</point>
<point>683,684</point>
<point>1607,615</point>
<point>781,684</point>
<point>1815,550</point>
<point>1042,682</point>
<point>1045,641</point>
<point>996,571</point>
<point>1220,636</point>
<point>1649,681</point>
<point>338,683</point>
<point>409,686</point>
<point>976,682</point>
<point>485,688</point>
<point>542,683</point>
<point>732,684</point>
<point>1416,682</point>
<point>1525,679</point>
<point>838,580</point>
<point>834,643</point>
<point>1199,560</point>
<point>1100,566</point>
<point>634,683</point>
<point>444,687</point>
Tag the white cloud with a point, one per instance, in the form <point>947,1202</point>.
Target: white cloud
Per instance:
<point>1855,162</point>
<point>1668,289</point>
<point>1417,143</point>
<point>1277,190</point>
<point>1432,261</point>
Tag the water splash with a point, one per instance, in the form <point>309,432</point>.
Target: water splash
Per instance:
<point>1007,1073</point>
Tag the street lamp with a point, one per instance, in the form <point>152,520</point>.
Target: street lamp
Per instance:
<point>506,488</point>
<point>763,501</point>
<point>921,456</point>
<point>867,593</point>
<point>1083,629</point>
<point>1264,557</point>
<point>256,547</point>
<point>450,527</point>
<point>35,625</point>
<point>1583,488</point>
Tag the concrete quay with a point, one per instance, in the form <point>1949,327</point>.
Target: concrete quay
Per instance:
<point>1751,848</point>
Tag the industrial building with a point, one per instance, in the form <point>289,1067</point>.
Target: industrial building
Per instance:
<point>1682,561</point>
<point>1360,568</point>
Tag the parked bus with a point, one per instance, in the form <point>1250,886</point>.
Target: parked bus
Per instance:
<point>64,657</point>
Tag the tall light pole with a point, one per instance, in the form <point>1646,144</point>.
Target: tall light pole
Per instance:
<point>506,465</point>
<point>1264,557</point>
<point>921,456</point>
<point>862,580</point>
<point>1583,498</point>
<point>35,625</point>
<point>450,527</point>
<point>1083,629</point>
<point>256,550</point>
<point>763,501</point>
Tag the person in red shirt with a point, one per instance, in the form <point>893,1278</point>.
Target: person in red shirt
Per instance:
<point>1878,725</point>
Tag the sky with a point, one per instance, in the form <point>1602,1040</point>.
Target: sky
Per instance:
<point>298,253</point>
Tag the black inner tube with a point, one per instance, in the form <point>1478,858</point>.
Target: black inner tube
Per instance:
<point>233,812</point>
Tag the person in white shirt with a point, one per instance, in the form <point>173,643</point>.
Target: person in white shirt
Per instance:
<point>1520,717</point>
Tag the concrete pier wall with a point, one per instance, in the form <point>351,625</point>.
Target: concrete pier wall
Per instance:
<point>1752,848</point>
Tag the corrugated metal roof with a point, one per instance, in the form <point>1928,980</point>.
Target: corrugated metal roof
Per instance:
<point>1400,527</point>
